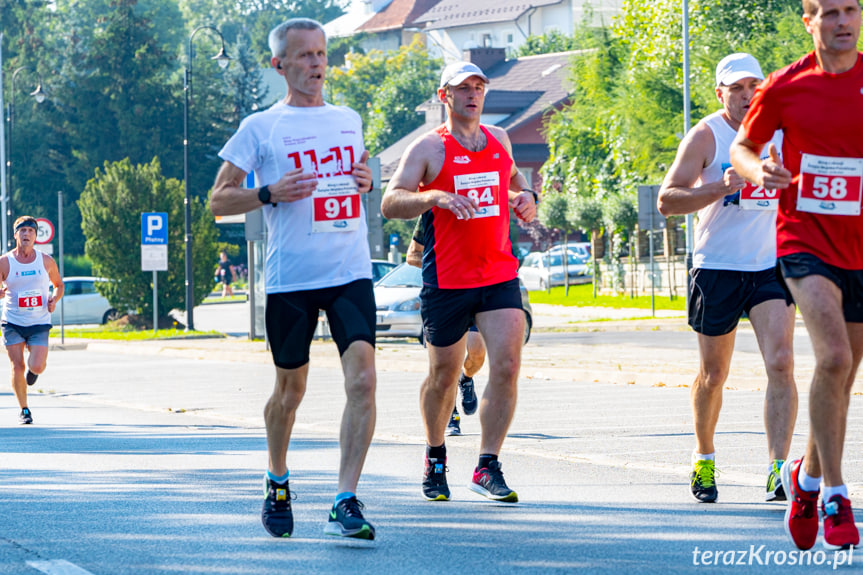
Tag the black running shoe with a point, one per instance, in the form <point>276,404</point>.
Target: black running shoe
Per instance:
<point>489,482</point>
<point>25,417</point>
<point>276,515</point>
<point>454,425</point>
<point>434,480</point>
<point>346,520</point>
<point>703,481</point>
<point>468,395</point>
<point>31,377</point>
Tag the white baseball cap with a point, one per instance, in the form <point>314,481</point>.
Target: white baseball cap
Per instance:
<point>736,67</point>
<point>458,72</point>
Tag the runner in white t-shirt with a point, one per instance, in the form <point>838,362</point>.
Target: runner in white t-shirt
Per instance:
<point>310,159</point>
<point>732,274</point>
<point>26,275</point>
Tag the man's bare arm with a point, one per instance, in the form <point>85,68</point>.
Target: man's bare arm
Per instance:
<point>414,255</point>
<point>402,201</point>
<point>522,203</point>
<point>230,197</point>
<point>678,194</point>
<point>770,174</point>
<point>56,281</point>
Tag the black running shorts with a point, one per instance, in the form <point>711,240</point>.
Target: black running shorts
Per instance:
<point>850,282</point>
<point>292,318</point>
<point>448,313</point>
<point>719,298</point>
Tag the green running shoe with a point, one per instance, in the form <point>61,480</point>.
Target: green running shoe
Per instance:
<point>775,491</point>
<point>703,483</point>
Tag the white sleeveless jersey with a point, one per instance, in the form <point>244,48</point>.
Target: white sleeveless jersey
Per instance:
<point>316,242</point>
<point>726,236</point>
<point>26,301</point>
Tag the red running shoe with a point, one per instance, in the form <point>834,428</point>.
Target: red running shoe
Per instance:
<point>839,529</point>
<point>801,517</point>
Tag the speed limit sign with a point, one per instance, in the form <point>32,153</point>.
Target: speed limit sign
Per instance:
<point>45,231</point>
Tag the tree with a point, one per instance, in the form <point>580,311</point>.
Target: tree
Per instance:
<point>111,206</point>
<point>586,213</point>
<point>385,88</point>
<point>552,41</point>
<point>553,213</point>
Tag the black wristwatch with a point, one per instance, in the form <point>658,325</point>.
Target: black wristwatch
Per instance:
<point>535,195</point>
<point>264,195</point>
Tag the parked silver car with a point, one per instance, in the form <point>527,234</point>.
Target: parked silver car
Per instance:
<point>82,303</point>
<point>397,296</point>
<point>539,270</point>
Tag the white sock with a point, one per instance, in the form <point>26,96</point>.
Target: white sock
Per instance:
<point>698,456</point>
<point>830,491</point>
<point>807,483</point>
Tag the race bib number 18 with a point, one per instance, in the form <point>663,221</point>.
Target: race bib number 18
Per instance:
<point>830,185</point>
<point>481,188</point>
<point>336,205</point>
<point>30,300</point>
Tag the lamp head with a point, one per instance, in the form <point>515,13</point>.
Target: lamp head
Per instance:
<point>222,58</point>
<point>38,94</point>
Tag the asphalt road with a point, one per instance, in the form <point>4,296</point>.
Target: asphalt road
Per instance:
<point>153,464</point>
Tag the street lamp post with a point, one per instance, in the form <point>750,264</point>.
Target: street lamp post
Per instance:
<point>39,95</point>
<point>222,58</point>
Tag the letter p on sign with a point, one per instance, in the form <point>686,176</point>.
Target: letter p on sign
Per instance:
<point>154,228</point>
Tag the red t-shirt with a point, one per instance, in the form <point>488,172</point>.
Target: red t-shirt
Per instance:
<point>476,252</point>
<point>821,115</point>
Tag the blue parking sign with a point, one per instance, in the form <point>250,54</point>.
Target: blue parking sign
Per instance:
<point>154,228</point>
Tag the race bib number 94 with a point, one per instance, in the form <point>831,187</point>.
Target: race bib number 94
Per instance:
<point>830,186</point>
<point>30,300</point>
<point>482,189</point>
<point>336,205</point>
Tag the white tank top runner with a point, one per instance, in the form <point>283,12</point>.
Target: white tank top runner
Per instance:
<point>26,301</point>
<point>726,236</point>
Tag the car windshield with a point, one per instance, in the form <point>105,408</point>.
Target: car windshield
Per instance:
<point>403,276</point>
<point>557,260</point>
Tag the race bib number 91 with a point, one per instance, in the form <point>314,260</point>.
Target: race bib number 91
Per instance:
<point>482,189</point>
<point>30,300</point>
<point>830,186</point>
<point>336,205</point>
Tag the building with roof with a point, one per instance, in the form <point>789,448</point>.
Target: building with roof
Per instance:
<point>520,92</point>
<point>453,26</point>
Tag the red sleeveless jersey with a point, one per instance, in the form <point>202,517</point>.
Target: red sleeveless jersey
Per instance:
<point>476,252</point>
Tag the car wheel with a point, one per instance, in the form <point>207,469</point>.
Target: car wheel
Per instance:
<point>528,325</point>
<point>110,315</point>
<point>421,339</point>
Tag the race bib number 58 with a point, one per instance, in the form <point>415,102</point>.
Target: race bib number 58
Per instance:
<point>830,185</point>
<point>481,188</point>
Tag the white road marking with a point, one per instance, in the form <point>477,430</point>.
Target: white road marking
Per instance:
<point>58,567</point>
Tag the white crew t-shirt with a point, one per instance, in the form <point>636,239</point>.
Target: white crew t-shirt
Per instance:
<point>320,241</point>
<point>728,237</point>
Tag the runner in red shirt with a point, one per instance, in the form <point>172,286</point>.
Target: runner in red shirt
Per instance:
<point>817,103</point>
<point>461,178</point>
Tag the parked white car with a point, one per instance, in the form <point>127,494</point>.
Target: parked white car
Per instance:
<point>82,303</point>
<point>539,270</point>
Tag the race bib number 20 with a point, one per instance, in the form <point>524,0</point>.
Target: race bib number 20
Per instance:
<point>830,186</point>
<point>482,189</point>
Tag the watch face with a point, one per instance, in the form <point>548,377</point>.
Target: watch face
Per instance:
<point>264,195</point>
